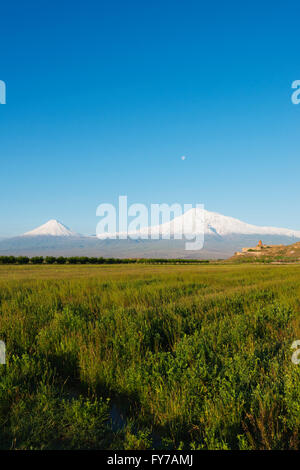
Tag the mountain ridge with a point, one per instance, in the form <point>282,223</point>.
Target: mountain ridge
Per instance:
<point>223,237</point>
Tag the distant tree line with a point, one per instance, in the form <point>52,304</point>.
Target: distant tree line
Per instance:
<point>93,260</point>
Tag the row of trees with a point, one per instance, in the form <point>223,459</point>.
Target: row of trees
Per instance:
<point>90,260</point>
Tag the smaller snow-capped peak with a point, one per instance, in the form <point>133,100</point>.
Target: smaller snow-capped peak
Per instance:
<point>52,228</point>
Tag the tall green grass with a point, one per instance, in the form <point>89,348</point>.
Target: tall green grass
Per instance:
<point>137,357</point>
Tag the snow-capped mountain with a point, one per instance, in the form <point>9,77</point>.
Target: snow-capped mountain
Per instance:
<point>222,225</point>
<point>223,236</point>
<point>196,221</point>
<point>52,228</point>
<point>217,224</point>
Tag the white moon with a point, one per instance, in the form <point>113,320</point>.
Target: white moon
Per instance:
<point>183,157</point>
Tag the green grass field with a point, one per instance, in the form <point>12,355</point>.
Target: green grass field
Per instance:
<point>144,357</point>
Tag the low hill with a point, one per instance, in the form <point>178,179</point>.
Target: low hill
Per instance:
<point>269,253</point>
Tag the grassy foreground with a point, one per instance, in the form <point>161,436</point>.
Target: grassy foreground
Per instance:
<point>138,357</point>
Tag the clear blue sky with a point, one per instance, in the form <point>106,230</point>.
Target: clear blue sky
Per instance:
<point>104,97</point>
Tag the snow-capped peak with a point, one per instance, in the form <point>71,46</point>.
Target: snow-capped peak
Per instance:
<point>211,223</point>
<point>224,225</point>
<point>217,224</point>
<point>52,228</point>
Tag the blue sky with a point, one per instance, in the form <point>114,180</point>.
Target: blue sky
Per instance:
<point>104,97</point>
